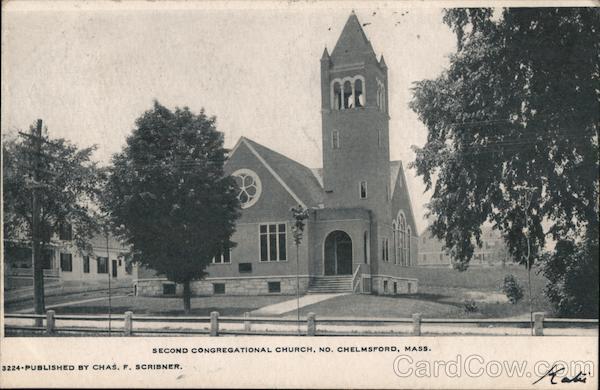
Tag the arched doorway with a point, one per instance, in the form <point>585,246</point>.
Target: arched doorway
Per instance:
<point>338,253</point>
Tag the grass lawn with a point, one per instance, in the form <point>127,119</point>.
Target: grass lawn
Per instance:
<point>442,292</point>
<point>379,306</point>
<point>201,306</point>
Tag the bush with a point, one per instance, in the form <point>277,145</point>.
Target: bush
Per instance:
<point>470,306</point>
<point>512,289</point>
<point>572,272</point>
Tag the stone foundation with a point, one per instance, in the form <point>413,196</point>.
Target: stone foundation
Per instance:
<point>213,286</point>
<point>391,285</point>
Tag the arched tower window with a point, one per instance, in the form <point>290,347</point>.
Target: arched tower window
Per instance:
<point>337,96</point>
<point>359,97</point>
<point>348,103</point>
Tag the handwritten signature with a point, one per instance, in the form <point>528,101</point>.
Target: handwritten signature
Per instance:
<point>554,371</point>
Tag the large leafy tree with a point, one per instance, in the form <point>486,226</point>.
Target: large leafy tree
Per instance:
<point>168,196</point>
<point>515,115</point>
<point>70,185</point>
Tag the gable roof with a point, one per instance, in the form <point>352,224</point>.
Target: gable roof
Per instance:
<point>296,178</point>
<point>353,42</point>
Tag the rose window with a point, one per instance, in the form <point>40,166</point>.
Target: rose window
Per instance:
<point>250,187</point>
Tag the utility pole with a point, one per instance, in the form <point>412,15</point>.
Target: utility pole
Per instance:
<point>529,191</point>
<point>109,292</point>
<point>299,214</point>
<point>38,271</point>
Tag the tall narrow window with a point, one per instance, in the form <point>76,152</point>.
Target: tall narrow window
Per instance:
<point>409,262</point>
<point>379,137</point>
<point>359,98</point>
<point>66,262</point>
<point>102,265</point>
<point>348,103</point>
<point>65,231</point>
<point>363,190</point>
<point>337,96</point>
<point>273,242</point>
<point>387,250</point>
<point>366,247</point>
<point>335,139</point>
<point>86,264</point>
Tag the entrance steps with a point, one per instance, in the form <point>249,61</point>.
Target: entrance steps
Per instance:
<point>330,284</point>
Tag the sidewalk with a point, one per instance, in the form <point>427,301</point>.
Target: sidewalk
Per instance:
<point>25,294</point>
<point>292,304</point>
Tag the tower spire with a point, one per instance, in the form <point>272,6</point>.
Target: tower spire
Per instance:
<point>352,41</point>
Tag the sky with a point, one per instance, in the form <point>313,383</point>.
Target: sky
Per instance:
<point>89,70</point>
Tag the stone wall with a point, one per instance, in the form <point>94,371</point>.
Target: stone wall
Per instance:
<point>402,285</point>
<point>233,286</point>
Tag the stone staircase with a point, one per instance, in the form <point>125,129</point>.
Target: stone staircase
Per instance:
<point>330,284</point>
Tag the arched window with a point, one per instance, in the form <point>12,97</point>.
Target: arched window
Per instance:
<point>359,97</point>
<point>401,239</point>
<point>337,96</point>
<point>408,235</point>
<point>348,103</point>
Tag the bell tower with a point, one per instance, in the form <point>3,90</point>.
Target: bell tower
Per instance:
<point>355,124</point>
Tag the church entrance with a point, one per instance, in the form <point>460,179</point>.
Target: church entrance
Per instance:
<point>338,253</point>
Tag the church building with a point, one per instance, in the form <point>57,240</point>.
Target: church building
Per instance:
<point>360,234</point>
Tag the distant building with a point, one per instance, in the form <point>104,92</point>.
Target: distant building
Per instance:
<point>361,232</point>
<point>493,251</point>
<point>62,261</point>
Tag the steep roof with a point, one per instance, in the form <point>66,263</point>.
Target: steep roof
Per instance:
<point>353,42</point>
<point>299,178</point>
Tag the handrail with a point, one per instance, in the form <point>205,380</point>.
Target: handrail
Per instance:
<point>354,275</point>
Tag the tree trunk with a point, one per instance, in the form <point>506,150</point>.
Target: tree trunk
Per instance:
<point>187,297</point>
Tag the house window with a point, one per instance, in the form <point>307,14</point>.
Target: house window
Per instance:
<point>169,289</point>
<point>395,288</point>
<point>102,263</point>
<point>47,256</point>
<point>219,288</point>
<point>86,264</point>
<point>66,262</point>
<point>65,232</point>
<point>274,287</point>
<point>385,286</point>
<point>363,189</point>
<point>379,137</point>
<point>273,242</point>
<point>335,139</point>
<point>223,257</point>
<point>245,268</point>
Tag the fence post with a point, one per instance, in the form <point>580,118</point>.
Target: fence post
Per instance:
<point>538,324</point>
<point>214,324</point>
<point>247,324</point>
<point>311,324</point>
<point>416,324</point>
<point>50,321</point>
<point>128,324</point>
